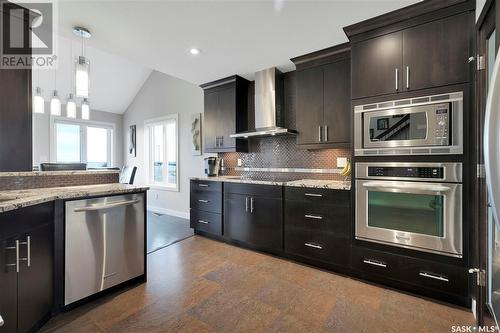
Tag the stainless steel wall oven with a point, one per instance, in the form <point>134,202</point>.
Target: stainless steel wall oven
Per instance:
<point>414,126</point>
<point>411,205</point>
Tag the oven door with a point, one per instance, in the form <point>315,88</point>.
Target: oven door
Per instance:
<point>416,126</point>
<point>421,216</point>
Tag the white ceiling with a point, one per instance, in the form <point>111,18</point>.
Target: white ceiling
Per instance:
<point>114,80</point>
<point>236,37</point>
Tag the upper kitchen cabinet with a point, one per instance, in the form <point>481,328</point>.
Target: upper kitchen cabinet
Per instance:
<point>15,108</point>
<point>426,45</point>
<point>323,81</point>
<point>226,112</point>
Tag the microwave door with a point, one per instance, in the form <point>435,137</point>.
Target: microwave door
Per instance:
<point>492,167</point>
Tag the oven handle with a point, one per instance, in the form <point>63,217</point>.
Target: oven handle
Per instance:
<point>417,188</point>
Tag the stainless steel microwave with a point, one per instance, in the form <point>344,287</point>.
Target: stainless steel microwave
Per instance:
<point>425,125</point>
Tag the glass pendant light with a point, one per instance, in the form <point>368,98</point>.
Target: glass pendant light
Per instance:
<point>85,109</point>
<point>38,102</point>
<point>55,105</point>
<point>82,66</point>
<point>70,107</point>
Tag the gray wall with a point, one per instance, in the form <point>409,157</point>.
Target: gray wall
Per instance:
<point>41,134</point>
<point>161,95</point>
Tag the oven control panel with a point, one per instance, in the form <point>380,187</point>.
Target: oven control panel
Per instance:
<point>407,172</point>
<point>442,123</point>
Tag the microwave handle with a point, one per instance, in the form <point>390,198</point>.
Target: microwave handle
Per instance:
<point>491,139</point>
<point>416,188</point>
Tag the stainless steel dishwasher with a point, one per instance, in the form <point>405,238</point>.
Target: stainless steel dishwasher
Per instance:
<point>104,244</point>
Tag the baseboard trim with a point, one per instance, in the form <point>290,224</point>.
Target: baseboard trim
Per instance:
<point>166,211</point>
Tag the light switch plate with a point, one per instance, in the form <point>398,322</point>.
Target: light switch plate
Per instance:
<point>341,162</point>
<point>239,162</point>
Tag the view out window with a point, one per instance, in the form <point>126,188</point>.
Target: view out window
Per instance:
<point>77,142</point>
<point>161,136</point>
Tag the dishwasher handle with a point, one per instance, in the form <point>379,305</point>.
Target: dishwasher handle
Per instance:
<point>106,206</point>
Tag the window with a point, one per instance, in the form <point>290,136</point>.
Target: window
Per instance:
<point>161,150</point>
<point>80,141</point>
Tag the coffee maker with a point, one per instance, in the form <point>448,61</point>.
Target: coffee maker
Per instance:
<point>212,165</point>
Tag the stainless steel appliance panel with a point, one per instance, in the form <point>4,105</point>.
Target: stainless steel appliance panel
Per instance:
<point>104,243</point>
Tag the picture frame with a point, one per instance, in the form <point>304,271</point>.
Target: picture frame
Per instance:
<point>132,140</point>
<point>196,134</point>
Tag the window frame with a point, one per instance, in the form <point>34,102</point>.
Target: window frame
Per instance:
<point>54,120</point>
<point>148,124</point>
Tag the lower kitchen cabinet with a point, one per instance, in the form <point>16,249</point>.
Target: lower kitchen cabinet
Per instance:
<point>205,200</point>
<point>317,224</point>
<point>26,267</point>
<point>253,214</point>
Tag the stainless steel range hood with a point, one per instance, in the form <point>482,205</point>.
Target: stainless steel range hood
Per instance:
<point>269,118</point>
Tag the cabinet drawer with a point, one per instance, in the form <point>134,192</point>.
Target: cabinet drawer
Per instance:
<point>208,201</point>
<point>269,191</point>
<point>442,277</point>
<point>376,262</point>
<point>317,245</point>
<point>315,216</point>
<point>318,196</point>
<point>206,222</point>
<point>418,272</point>
<point>205,186</point>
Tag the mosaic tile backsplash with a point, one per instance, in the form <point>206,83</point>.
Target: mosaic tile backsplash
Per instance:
<point>282,152</point>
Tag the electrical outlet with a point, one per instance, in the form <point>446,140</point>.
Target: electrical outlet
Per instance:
<point>341,162</point>
<point>239,162</point>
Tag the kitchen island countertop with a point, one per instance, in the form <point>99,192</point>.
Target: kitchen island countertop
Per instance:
<point>14,199</point>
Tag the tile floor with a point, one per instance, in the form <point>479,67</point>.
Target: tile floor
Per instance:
<point>200,285</point>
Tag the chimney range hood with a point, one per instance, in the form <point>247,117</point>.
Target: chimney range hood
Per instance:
<point>269,117</point>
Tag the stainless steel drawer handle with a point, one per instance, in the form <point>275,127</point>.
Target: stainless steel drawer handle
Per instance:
<point>28,251</point>
<point>204,222</point>
<point>203,185</point>
<point>316,217</point>
<point>374,263</point>
<point>203,201</point>
<point>434,276</point>
<point>319,247</point>
<point>106,206</point>
<point>251,205</point>
<point>313,195</point>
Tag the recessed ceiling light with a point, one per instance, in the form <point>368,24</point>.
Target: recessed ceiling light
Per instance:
<point>194,51</point>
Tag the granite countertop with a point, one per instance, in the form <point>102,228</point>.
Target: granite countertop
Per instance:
<point>310,183</point>
<point>14,199</point>
<point>56,173</point>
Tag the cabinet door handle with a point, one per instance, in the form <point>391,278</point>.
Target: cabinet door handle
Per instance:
<point>434,276</point>
<point>203,201</point>
<point>222,141</point>
<point>313,195</point>
<point>407,77</point>
<point>16,248</point>
<point>1,321</point>
<point>374,263</point>
<point>246,204</point>
<point>326,132</point>
<point>203,185</point>
<point>316,217</point>
<point>204,222</point>
<point>397,79</point>
<point>319,247</point>
<point>28,251</point>
<point>251,205</point>
<point>319,133</point>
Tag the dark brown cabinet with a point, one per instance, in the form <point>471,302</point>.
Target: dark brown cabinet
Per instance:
<point>26,275</point>
<point>376,66</point>
<point>317,224</point>
<point>253,214</point>
<point>226,113</point>
<point>206,207</point>
<point>424,56</point>
<point>323,98</point>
